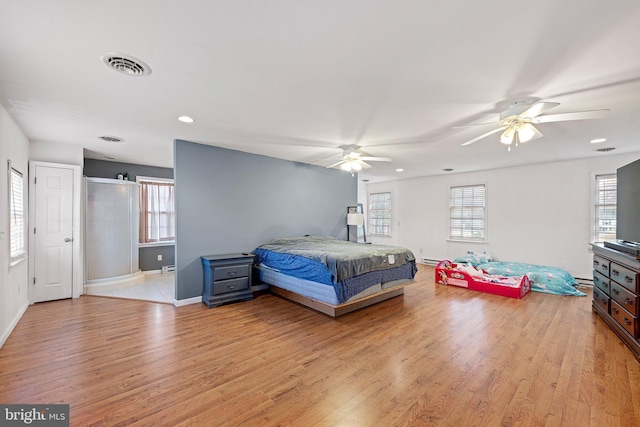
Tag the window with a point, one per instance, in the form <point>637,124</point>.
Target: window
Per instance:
<point>467,219</point>
<point>380,214</point>
<point>605,208</point>
<point>157,215</point>
<point>16,215</point>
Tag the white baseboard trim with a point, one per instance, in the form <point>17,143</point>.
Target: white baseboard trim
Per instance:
<point>186,301</point>
<point>14,322</point>
<point>150,272</point>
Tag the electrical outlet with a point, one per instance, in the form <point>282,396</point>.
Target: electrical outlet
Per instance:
<point>159,257</point>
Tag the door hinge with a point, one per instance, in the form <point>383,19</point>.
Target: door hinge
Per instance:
<point>35,180</point>
<point>34,280</point>
<point>34,230</point>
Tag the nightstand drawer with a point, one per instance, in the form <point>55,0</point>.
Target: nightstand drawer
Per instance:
<point>231,272</point>
<point>624,318</point>
<point>626,277</point>
<point>601,265</point>
<point>601,282</point>
<point>601,298</point>
<point>625,298</point>
<point>231,285</point>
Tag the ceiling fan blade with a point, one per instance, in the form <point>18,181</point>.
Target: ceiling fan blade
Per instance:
<point>578,115</point>
<point>474,124</point>
<point>484,135</point>
<point>335,165</point>
<point>376,159</point>
<point>364,165</point>
<point>538,108</point>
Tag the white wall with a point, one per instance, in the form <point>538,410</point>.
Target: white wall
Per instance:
<point>54,152</point>
<point>14,298</point>
<point>540,214</point>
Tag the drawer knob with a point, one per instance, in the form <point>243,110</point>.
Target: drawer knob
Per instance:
<point>614,310</point>
<point>615,291</point>
<point>232,285</point>
<point>605,267</point>
<point>232,273</point>
<point>627,301</point>
<point>596,263</point>
<point>615,272</point>
<point>628,279</point>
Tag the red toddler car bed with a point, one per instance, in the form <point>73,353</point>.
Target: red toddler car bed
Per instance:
<point>448,273</point>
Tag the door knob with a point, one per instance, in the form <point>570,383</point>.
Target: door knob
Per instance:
<point>68,239</point>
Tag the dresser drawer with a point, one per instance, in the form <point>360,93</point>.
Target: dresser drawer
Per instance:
<point>231,285</point>
<point>601,298</point>
<point>624,318</point>
<point>231,272</point>
<point>601,265</point>
<point>601,282</point>
<point>625,298</point>
<point>626,277</point>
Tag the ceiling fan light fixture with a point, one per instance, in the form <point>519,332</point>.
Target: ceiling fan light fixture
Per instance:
<point>507,135</point>
<point>526,132</point>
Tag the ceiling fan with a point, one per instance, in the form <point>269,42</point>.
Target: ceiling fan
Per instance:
<point>517,122</point>
<point>354,161</point>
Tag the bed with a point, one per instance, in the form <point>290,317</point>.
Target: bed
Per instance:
<point>334,276</point>
<point>545,279</point>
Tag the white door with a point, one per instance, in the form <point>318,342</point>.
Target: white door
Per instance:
<point>53,238</point>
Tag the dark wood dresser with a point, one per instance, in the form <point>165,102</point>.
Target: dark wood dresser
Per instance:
<point>616,293</point>
<point>227,278</point>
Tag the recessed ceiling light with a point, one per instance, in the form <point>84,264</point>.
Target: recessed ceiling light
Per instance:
<point>598,140</point>
<point>186,119</point>
<point>399,170</point>
<point>447,169</point>
<point>108,138</point>
<point>125,64</point>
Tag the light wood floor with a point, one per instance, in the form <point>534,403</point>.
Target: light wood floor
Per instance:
<point>435,356</point>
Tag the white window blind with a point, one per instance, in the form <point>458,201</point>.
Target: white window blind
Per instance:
<point>16,215</point>
<point>605,208</point>
<point>467,219</point>
<point>157,215</point>
<point>380,214</point>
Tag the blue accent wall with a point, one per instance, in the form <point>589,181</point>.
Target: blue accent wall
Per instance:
<point>230,201</point>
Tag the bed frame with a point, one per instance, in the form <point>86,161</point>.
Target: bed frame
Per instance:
<point>347,307</point>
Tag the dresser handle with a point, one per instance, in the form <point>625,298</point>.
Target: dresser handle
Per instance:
<point>614,310</point>
<point>605,267</point>
<point>232,273</point>
<point>615,272</point>
<point>232,286</point>
<point>627,321</point>
<point>628,279</point>
<point>596,262</point>
<point>627,301</point>
<point>604,301</point>
<point>615,291</point>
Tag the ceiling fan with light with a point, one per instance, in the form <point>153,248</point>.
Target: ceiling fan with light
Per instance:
<point>354,161</point>
<point>517,122</point>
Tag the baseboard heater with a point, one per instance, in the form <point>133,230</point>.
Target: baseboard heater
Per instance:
<point>168,268</point>
<point>430,261</point>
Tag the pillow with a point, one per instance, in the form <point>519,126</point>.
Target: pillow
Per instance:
<point>475,258</point>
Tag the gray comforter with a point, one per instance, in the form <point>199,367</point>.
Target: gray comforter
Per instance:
<point>343,259</point>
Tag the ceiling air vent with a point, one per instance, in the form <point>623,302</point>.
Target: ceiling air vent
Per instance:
<point>605,149</point>
<point>126,64</point>
<point>108,138</point>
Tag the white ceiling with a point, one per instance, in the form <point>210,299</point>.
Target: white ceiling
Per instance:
<point>296,79</point>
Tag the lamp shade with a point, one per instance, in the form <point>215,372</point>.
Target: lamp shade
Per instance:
<point>355,219</point>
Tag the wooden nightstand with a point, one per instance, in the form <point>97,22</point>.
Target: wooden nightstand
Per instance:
<point>227,278</point>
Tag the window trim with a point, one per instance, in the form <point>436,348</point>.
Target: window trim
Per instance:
<point>141,178</point>
<point>22,255</point>
<point>370,214</point>
<point>594,212</point>
<point>485,226</point>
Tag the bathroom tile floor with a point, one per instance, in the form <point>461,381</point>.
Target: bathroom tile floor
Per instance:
<point>156,287</point>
